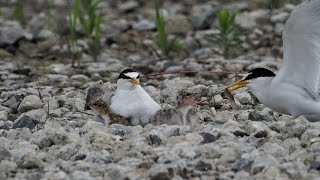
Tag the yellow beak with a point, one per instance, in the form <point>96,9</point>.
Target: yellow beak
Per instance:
<point>135,81</point>
<point>236,85</point>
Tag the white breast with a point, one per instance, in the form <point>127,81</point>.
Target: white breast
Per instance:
<point>136,104</point>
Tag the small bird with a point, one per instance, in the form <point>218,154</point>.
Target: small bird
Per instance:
<point>130,100</point>
<point>295,88</point>
<point>98,99</point>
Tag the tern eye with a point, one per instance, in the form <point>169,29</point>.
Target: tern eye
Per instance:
<point>138,76</point>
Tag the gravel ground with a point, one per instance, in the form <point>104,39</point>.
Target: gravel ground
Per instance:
<point>47,132</point>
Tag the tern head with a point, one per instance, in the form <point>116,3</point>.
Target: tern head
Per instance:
<point>255,75</point>
<point>128,79</point>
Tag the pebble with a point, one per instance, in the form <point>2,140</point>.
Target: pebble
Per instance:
<point>24,121</point>
<point>30,102</point>
<point>128,6</point>
<point>202,17</point>
<point>10,32</point>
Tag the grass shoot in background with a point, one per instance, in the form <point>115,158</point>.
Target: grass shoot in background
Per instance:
<point>50,18</point>
<point>85,12</point>
<point>228,36</point>
<point>164,43</point>
<point>90,21</point>
<point>73,17</point>
<point>18,12</point>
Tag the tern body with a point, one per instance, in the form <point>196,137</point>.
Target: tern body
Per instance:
<point>135,104</point>
<point>288,99</point>
<point>295,88</point>
<point>130,100</point>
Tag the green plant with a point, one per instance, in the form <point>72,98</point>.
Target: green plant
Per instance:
<point>85,12</point>
<point>90,21</point>
<point>73,16</point>
<point>165,44</point>
<point>295,2</point>
<point>51,22</point>
<point>18,12</point>
<point>228,36</point>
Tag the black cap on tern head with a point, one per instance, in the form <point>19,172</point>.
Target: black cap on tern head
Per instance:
<point>128,74</point>
<point>258,72</point>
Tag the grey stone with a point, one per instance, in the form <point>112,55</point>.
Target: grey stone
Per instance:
<point>121,25</point>
<point>240,133</point>
<point>202,16</point>
<point>10,32</point>
<point>81,175</point>
<point>255,116</point>
<point>203,166</point>
<point>218,100</point>
<point>4,115</point>
<point>5,125</point>
<point>280,17</point>
<point>45,34</point>
<point>261,134</point>
<point>128,6</point>
<point>39,138</point>
<point>38,115</point>
<point>274,149</point>
<point>79,104</point>
<point>57,136</point>
<point>25,121</point>
<point>4,154</point>
<point>155,139</point>
<point>244,98</point>
<point>208,138</point>
<point>7,166</point>
<point>272,172</point>
<point>13,101</point>
<point>178,24</point>
<point>79,78</point>
<point>144,25</point>
<point>56,79</point>
<point>241,164</point>
<point>248,20</point>
<point>223,116</point>
<point>279,28</point>
<point>60,69</point>
<point>315,165</point>
<point>261,162</point>
<point>30,102</point>
<point>294,128</point>
<point>242,175</point>
<point>253,127</point>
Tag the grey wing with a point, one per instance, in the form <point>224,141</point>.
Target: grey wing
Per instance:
<point>301,42</point>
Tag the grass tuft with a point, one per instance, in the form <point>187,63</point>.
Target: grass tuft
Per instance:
<point>164,43</point>
<point>90,21</point>
<point>73,17</point>
<point>85,12</point>
<point>18,12</point>
<point>228,36</point>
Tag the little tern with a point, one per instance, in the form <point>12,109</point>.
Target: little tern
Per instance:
<point>294,90</point>
<point>130,100</point>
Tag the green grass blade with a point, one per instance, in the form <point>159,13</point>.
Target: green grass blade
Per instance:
<point>18,12</point>
<point>161,33</point>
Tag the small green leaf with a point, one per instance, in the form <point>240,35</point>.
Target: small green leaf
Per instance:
<point>161,33</point>
<point>228,32</point>
<point>18,12</point>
